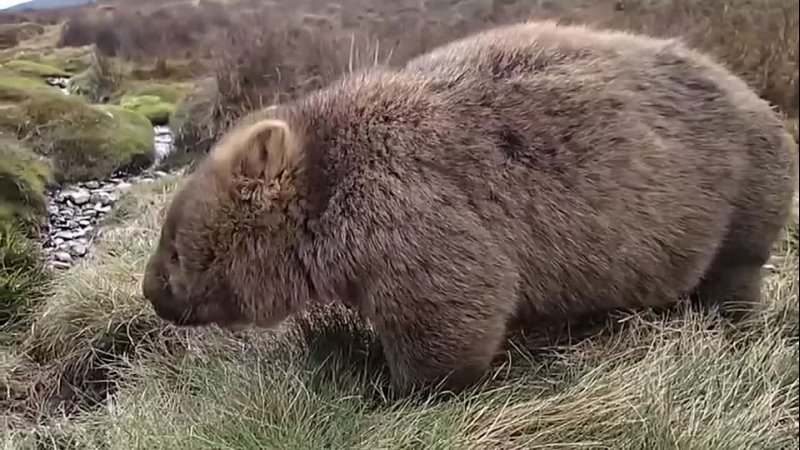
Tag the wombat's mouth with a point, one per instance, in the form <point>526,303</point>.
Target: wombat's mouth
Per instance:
<point>174,311</point>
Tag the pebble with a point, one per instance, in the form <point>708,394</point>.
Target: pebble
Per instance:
<point>63,257</point>
<point>78,197</point>
<point>78,249</point>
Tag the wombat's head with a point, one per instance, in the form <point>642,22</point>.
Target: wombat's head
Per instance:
<point>227,253</point>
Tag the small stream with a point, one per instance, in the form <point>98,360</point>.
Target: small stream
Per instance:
<point>76,211</point>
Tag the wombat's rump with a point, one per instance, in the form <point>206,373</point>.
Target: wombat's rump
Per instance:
<point>529,173</point>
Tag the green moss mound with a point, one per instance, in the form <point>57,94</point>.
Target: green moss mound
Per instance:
<point>152,107</point>
<point>16,88</point>
<point>68,60</point>
<point>167,92</point>
<point>32,68</point>
<point>156,101</point>
<point>84,141</point>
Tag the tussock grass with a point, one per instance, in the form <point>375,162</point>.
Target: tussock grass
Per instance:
<point>683,381</point>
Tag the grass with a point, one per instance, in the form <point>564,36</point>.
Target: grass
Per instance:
<point>684,381</point>
<point>23,278</point>
<point>23,178</point>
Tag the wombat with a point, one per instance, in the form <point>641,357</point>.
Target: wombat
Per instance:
<point>521,175</point>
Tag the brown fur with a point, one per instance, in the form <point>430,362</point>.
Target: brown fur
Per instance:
<point>524,175</point>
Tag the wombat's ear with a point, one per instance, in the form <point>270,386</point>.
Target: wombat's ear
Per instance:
<point>267,148</point>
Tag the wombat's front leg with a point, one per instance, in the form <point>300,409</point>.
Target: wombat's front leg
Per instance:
<point>442,330</point>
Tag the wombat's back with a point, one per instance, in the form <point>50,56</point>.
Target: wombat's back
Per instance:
<point>621,162</point>
<point>607,166</point>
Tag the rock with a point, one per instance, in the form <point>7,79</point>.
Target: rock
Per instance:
<point>65,235</point>
<point>53,210</point>
<point>92,184</point>
<point>67,213</point>
<point>84,223</point>
<point>61,265</point>
<point>58,241</point>
<point>90,213</point>
<point>124,185</point>
<point>78,249</point>
<point>101,198</point>
<point>78,197</point>
<point>63,257</point>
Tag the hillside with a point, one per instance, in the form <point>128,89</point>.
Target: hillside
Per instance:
<point>47,4</point>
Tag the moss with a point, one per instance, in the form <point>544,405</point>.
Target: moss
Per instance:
<point>15,88</point>
<point>154,100</point>
<point>84,141</point>
<point>32,68</point>
<point>168,92</point>
<point>23,178</point>
<point>69,60</point>
<point>152,107</point>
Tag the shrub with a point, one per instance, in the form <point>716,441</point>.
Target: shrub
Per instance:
<point>757,39</point>
<point>193,123</point>
<point>100,80</point>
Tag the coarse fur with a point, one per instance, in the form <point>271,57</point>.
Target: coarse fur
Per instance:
<point>525,175</point>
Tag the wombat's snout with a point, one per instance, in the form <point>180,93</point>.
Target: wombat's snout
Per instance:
<point>166,304</point>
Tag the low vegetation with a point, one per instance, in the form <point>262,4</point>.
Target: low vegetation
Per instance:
<point>23,281</point>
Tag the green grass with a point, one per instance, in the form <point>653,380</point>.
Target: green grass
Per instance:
<point>23,278</point>
<point>683,381</point>
<point>23,178</point>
